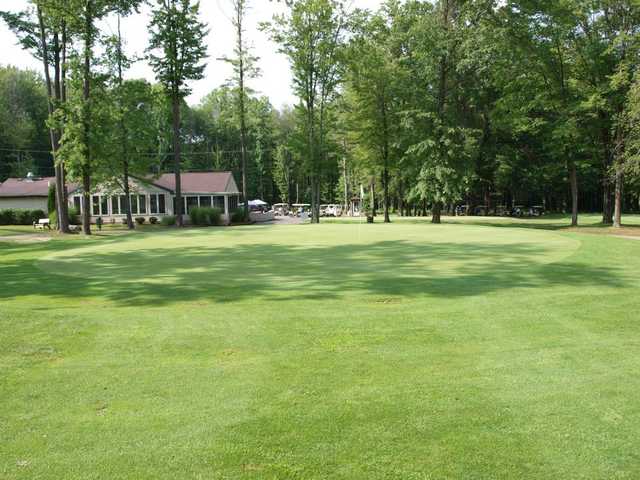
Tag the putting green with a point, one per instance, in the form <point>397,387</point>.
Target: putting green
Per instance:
<point>336,260</point>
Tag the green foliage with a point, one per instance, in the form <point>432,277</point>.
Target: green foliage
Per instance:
<point>23,116</point>
<point>312,35</point>
<point>7,217</point>
<point>74,216</point>
<point>177,45</point>
<point>51,198</point>
<point>73,213</point>
<point>20,216</point>
<point>282,172</point>
<point>239,216</point>
<point>140,220</point>
<point>168,220</point>
<point>205,216</point>
<point>153,220</point>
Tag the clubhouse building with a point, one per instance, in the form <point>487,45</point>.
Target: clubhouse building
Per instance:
<point>150,196</point>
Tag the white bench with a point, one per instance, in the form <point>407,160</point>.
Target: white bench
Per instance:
<point>42,224</point>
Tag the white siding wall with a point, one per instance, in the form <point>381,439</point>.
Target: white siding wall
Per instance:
<point>26,203</point>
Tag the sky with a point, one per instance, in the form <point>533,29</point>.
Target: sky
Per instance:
<point>275,79</point>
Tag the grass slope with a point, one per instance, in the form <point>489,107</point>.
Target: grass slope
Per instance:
<point>333,351</point>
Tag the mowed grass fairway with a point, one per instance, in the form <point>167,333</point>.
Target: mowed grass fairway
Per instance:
<point>403,351</point>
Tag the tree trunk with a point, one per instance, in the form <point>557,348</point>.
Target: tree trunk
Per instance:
<point>436,212</point>
<point>617,218</point>
<point>64,196</point>
<point>86,200</point>
<point>607,210</point>
<point>176,157</point>
<point>86,96</point>
<point>385,177</point>
<point>315,195</point>
<point>573,180</point>
<point>62,212</point>
<point>346,184</point>
<point>124,138</point>
<point>372,189</point>
<point>243,125</point>
<point>127,194</point>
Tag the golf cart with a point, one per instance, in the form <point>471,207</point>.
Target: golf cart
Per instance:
<point>280,209</point>
<point>300,209</point>
<point>462,210</point>
<point>333,210</point>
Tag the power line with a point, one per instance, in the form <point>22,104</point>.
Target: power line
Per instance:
<point>152,154</point>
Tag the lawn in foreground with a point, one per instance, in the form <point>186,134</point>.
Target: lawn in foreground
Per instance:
<point>331,351</point>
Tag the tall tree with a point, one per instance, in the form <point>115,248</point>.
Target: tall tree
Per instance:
<point>312,36</point>
<point>374,106</point>
<point>119,62</point>
<point>47,36</point>
<point>176,50</point>
<point>244,67</point>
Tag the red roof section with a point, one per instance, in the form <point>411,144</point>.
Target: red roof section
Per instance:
<point>199,182</point>
<point>192,182</point>
<point>21,187</point>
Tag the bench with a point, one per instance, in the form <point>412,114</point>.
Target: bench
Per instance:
<point>42,224</point>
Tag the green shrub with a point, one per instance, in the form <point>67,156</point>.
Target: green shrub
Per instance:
<point>20,217</point>
<point>169,220</point>
<point>153,220</point>
<point>140,220</point>
<point>74,216</point>
<point>51,198</point>
<point>206,216</point>
<point>7,217</point>
<point>23,217</point>
<point>37,215</point>
<point>238,216</point>
<point>72,212</point>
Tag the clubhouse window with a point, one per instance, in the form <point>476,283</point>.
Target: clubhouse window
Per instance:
<point>205,201</point>
<point>104,205</point>
<point>156,203</point>
<point>134,204</point>
<point>142,204</point>
<point>191,203</point>
<point>218,202</point>
<point>123,204</point>
<point>95,201</point>
<point>115,206</point>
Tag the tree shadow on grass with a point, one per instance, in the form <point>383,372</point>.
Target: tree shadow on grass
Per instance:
<point>163,276</point>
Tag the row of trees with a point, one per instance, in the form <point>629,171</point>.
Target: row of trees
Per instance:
<point>98,123</point>
<point>209,132</point>
<point>469,100</point>
<point>424,104</point>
